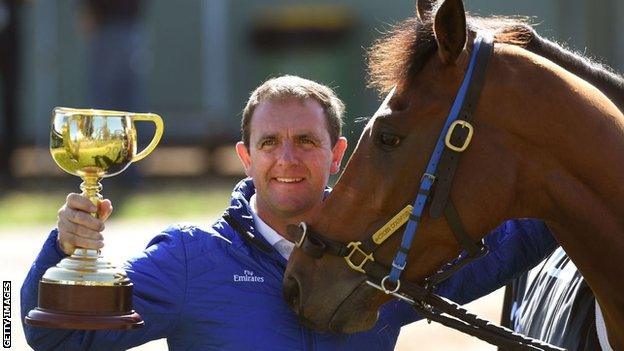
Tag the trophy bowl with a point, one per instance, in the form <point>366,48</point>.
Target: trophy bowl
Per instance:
<point>84,291</point>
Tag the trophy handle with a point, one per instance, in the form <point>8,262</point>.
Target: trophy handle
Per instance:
<point>150,117</point>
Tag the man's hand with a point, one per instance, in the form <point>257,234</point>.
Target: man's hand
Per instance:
<point>77,227</point>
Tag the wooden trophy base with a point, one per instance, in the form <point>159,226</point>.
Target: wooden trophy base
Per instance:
<point>59,320</point>
<point>84,307</point>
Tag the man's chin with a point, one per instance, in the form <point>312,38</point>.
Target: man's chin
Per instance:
<point>293,205</point>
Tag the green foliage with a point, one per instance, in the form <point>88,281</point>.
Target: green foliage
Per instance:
<point>19,208</point>
<point>177,204</point>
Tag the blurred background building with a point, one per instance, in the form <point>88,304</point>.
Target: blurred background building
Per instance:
<point>195,61</point>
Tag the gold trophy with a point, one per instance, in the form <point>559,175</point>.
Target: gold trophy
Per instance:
<point>84,291</point>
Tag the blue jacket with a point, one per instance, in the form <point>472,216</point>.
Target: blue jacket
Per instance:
<point>214,289</point>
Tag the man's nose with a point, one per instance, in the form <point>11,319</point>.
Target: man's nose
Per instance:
<point>287,154</point>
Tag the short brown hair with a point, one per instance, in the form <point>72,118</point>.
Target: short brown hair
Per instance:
<point>296,87</point>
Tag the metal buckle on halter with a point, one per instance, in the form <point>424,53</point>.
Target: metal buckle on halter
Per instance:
<point>399,296</point>
<point>388,291</point>
<point>402,267</point>
<point>432,177</point>
<point>450,131</point>
<point>355,246</point>
<point>304,227</point>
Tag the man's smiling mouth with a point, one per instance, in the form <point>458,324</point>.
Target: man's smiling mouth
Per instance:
<point>289,180</point>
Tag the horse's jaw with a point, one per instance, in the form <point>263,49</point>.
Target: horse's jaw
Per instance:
<point>348,318</point>
<point>357,312</point>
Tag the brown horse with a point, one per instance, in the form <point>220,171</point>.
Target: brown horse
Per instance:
<point>546,144</point>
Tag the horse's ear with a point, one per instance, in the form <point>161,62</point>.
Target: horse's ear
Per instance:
<point>424,8</point>
<point>450,30</point>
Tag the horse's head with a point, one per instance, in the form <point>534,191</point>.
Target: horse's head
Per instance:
<point>425,59</point>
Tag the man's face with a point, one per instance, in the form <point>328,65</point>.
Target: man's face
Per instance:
<point>290,156</point>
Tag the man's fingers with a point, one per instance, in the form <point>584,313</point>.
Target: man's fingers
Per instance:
<point>105,210</point>
<point>72,240</point>
<point>77,227</point>
<point>68,229</point>
<point>66,247</point>
<point>82,219</point>
<point>79,202</point>
<point>72,235</point>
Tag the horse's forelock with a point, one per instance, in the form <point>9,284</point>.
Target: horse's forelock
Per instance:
<point>400,53</point>
<point>403,50</point>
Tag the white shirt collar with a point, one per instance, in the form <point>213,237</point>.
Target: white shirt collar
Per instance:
<point>267,232</point>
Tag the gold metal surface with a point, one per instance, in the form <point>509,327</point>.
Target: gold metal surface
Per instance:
<point>94,144</point>
<point>449,133</point>
<point>85,268</point>
<point>98,143</point>
<point>395,223</point>
<point>355,247</point>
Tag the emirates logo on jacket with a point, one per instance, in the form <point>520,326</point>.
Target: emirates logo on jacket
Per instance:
<point>248,276</point>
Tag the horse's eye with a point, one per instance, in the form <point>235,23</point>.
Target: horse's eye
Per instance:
<point>389,139</point>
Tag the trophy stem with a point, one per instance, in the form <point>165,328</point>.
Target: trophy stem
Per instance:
<point>91,188</point>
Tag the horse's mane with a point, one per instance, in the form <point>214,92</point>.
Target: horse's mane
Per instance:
<point>401,53</point>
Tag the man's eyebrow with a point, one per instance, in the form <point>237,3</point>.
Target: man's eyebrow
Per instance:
<point>268,136</point>
<point>307,135</point>
<point>299,136</point>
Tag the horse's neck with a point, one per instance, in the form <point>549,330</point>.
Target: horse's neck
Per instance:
<point>579,136</point>
<point>602,78</point>
<point>575,134</point>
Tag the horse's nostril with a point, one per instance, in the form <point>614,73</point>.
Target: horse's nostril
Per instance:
<point>291,292</point>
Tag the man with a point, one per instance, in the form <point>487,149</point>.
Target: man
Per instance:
<point>220,289</point>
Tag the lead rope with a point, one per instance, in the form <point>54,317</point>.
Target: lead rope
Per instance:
<point>432,306</point>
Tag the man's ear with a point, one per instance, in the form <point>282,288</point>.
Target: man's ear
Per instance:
<point>337,154</point>
<point>243,156</point>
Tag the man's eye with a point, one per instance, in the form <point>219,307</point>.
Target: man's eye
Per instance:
<point>268,142</point>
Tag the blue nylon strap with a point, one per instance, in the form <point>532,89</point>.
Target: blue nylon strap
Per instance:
<point>399,262</point>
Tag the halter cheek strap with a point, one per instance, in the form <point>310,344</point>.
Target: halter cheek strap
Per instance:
<point>451,126</point>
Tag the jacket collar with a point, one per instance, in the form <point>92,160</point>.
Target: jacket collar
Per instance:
<point>239,212</point>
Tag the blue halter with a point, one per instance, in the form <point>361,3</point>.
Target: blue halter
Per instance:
<point>428,178</point>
